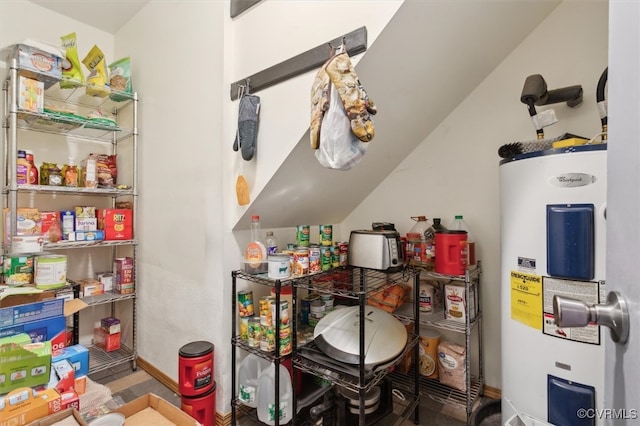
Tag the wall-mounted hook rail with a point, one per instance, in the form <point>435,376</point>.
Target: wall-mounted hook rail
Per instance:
<point>356,42</point>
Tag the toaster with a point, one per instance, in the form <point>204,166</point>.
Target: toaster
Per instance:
<point>376,249</point>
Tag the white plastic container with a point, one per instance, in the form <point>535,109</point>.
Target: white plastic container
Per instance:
<point>266,396</point>
<point>248,374</point>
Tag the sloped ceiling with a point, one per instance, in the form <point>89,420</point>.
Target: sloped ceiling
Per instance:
<point>428,59</point>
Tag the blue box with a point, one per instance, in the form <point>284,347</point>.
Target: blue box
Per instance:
<point>22,314</point>
<point>53,329</point>
<point>77,355</point>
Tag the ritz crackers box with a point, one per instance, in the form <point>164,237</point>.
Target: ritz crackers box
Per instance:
<point>116,223</point>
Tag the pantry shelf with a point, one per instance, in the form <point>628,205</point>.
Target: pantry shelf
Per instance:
<point>113,192</point>
<point>63,245</point>
<point>100,360</point>
<point>434,318</point>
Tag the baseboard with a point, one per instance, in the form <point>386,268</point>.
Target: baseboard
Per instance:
<point>223,420</point>
<point>158,375</point>
<point>493,393</point>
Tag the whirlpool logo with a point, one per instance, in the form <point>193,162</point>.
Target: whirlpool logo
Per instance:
<point>572,180</point>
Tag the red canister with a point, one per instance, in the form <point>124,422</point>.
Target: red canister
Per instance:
<point>451,252</point>
<point>202,408</point>
<point>195,368</point>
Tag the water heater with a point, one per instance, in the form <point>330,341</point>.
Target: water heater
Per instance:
<point>553,206</point>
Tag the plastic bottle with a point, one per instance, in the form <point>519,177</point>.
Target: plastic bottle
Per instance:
<point>460,225</point>
<point>248,374</point>
<point>22,168</point>
<point>33,170</point>
<point>420,243</point>
<point>267,395</point>
<point>271,243</point>
<point>70,173</point>
<point>256,253</point>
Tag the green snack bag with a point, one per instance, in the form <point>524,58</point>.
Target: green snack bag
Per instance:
<point>120,81</point>
<point>72,75</point>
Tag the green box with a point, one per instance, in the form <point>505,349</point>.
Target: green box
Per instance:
<point>23,363</point>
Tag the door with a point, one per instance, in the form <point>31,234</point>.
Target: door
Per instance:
<point>622,375</point>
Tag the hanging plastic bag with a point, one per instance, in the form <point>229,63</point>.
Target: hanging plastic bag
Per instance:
<point>339,148</point>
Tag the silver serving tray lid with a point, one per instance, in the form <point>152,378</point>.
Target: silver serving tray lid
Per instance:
<point>338,335</point>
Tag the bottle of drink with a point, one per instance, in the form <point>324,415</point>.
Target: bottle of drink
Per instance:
<point>256,253</point>
<point>248,374</point>
<point>271,243</point>
<point>437,225</point>
<point>266,396</point>
<point>460,225</point>
<point>33,170</point>
<point>420,243</point>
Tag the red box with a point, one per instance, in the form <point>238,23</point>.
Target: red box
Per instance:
<point>117,224</point>
<point>106,341</point>
<point>64,374</point>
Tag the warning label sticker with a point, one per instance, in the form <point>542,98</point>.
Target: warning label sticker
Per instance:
<point>526,299</point>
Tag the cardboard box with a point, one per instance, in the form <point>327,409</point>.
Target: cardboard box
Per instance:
<point>23,295</point>
<point>63,376</point>
<point>106,341</point>
<point>105,278</point>
<point>28,223</point>
<point>110,324</point>
<point>21,314</point>
<point>30,95</point>
<point>25,405</point>
<point>77,355</point>
<point>124,279</point>
<point>86,223</point>
<point>50,329</point>
<point>27,244</point>
<point>80,385</point>
<point>90,287</point>
<point>38,64</point>
<point>85,236</point>
<point>23,363</point>
<point>67,416</point>
<point>116,223</point>
<point>150,409</point>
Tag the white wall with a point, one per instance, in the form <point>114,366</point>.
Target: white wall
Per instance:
<point>455,170</point>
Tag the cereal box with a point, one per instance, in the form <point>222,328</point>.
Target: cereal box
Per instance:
<point>28,222</point>
<point>31,95</point>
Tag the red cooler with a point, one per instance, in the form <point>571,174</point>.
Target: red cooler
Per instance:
<point>202,408</point>
<point>195,369</point>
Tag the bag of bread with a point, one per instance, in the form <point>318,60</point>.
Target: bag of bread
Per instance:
<point>451,365</point>
<point>97,79</point>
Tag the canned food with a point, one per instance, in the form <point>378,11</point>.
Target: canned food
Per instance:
<point>265,310</point>
<point>18,269</point>
<point>344,251</point>
<point>335,256</point>
<point>317,309</point>
<point>285,341</point>
<point>302,235</point>
<point>282,311</point>
<point>50,271</point>
<point>244,327</point>
<point>279,266</point>
<point>314,259</point>
<point>306,306</point>
<point>326,235</point>
<point>325,255</point>
<point>267,339</point>
<point>245,303</point>
<point>301,261</point>
<point>254,332</point>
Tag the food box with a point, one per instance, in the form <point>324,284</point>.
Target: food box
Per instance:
<point>110,324</point>
<point>90,287</point>
<point>86,223</point>
<point>23,363</point>
<point>69,416</point>
<point>16,315</point>
<point>85,236</point>
<point>116,223</point>
<point>24,295</point>
<point>455,304</point>
<point>77,355</point>
<point>106,341</point>
<point>150,409</point>
<point>30,95</point>
<point>68,222</point>
<point>38,64</point>
<point>28,222</point>
<point>105,278</point>
<point>25,405</point>
<point>63,376</point>
<point>124,279</point>
<point>27,244</point>
<point>46,220</point>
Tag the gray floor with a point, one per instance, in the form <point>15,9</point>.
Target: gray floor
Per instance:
<point>128,385</point>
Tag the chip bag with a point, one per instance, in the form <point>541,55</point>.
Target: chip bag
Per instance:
<point>71,72</point>
<point>120,81</point>
<point>97,79</point>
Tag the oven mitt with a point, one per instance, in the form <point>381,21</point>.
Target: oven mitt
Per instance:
<point>247,133</point>
<point>319,105</point>
<point>355,100</point>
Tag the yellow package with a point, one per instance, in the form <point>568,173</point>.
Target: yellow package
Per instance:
<point>72,75</point>
<point>97,79</point>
